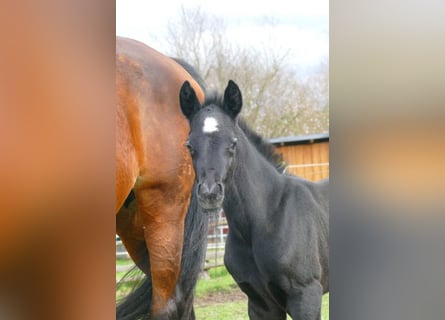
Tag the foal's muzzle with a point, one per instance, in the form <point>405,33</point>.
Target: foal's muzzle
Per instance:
<point>210,195</point>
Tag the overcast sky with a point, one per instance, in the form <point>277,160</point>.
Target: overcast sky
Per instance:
<point>299,26</point>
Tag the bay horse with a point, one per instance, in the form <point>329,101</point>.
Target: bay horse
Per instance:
<point>154,181</point>
<point>277,246</point>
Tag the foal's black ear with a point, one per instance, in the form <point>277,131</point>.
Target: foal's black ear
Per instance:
<point>233,100</point>
<point>188,100</point>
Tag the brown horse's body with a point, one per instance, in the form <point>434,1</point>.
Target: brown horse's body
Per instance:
<point>152,160</point>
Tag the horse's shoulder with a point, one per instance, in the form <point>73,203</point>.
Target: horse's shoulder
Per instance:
<point>299,187</point>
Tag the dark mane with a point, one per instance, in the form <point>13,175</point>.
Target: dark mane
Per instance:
<point>264,147</point>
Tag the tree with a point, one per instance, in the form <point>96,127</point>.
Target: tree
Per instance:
<point>276,101</point>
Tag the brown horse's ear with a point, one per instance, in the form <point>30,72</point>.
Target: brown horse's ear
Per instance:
<point>188,100</point>
<point>233,100</point>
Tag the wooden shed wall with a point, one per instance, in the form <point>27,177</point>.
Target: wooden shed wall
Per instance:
<point>309,161</point>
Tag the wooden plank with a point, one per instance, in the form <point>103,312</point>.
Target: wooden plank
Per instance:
<point>316,158</point>
<point>307,154</point>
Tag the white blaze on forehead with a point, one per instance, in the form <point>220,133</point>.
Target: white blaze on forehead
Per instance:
<point>210,125</point>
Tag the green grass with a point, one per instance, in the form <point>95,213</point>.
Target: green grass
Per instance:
<point>119,275</point>
<point>221,281</point>
<point>124,289</point>
<point>121,263</point>
<point>124,262</point>
<point>224,311</point>
<point>238,311</point>
<point>325,307</point>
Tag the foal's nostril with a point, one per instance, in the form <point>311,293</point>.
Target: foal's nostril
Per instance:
<point>210,190</point>
<point>210,195</point>
<point>203,189</point>
<point>215,189</point>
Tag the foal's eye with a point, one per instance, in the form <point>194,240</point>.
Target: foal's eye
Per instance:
<point>233,145</point>
<point>189,146</point>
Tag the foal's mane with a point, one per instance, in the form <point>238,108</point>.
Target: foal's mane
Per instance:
<point>265,148</point>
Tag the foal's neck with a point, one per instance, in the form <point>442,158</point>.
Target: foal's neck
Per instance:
<point>253,185</point>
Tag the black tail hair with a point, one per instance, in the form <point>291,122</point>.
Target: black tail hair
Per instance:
<point>137,304</point>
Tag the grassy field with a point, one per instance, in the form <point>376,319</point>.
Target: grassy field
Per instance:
<point>219,297</point>
<point>221,282</point>
<point>123,289</point>
<point>236,310</point>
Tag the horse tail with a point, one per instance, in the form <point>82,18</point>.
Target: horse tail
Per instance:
<point>195,235</point>
<point>137,304</point>
<point>193,255</point>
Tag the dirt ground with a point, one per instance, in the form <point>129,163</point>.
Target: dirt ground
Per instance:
<point>220,297</point>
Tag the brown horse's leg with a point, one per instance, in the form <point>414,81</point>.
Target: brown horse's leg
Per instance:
<point>163,224</point>
<point>129,229</point>
<point>137,251</point>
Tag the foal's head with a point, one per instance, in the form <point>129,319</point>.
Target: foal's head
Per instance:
<point>212,141</point>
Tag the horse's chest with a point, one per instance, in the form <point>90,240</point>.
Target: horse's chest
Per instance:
<point>252,272</point>
<point>248,263</point>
